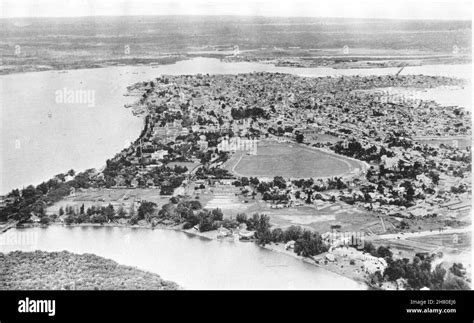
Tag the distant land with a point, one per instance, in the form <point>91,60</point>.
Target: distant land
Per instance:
<point>32,44</point>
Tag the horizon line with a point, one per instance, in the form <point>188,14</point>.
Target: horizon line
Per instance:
<point>238,16</point>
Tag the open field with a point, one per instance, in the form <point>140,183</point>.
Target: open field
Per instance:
<point>319,218</point>
<point>462,143</point>
<point>460,241</point>
<point>291,161</point>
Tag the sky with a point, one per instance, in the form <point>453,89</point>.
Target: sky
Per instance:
<point>393,9</point>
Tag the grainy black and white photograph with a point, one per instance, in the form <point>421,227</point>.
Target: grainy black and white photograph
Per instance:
<point>235,145</point>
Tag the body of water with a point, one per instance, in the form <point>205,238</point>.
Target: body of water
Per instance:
<point>192,262</point>
<point>53,121</point>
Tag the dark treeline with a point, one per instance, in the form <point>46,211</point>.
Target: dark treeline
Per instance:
<point>417,273</point>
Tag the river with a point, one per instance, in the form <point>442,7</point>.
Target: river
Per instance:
<point>191,261</point>
<point>43,135</point>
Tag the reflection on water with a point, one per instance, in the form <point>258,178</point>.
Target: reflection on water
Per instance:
<point>191,261</point>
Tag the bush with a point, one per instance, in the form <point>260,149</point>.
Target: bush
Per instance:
<point>187,226</point>
<point>384,252</point>
<point>134,220</point>
<point>98,218</point>
<point>45,220</point>
<point>82,218</point>
<point>68,219</point>
<point>370,248</point>
<point>229,223</point>
<point>241,218</point>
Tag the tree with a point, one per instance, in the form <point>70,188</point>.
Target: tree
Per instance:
<point>121,212</point>
<point>293,233</point>
<point>262,229</point>
<point>206,222</point>
<point>437,277</point>
<point>434,177</point>
<point>217,215</point>
<point>241,218</point>
<point>82,218</point>
<point>310,244</point>
<point>370,248</point>
<point>279,182</point>
<point>146,209</point>
<point>395,270</point>
<point>278,235</point>
<point>299,138</point>
<point>384,252</point>
<point>109,212</point>
<point>254,181</point>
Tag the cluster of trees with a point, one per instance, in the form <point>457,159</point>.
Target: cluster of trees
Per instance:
<point>419,272</point>
<point>93,214</point>
<point>255,112</point>
<point>213,172</point>
<point>172,176</point>
<point>189,212</point>
<point>461,188</point>
<point>21,204</point>
<point>320,186</point>
<point>307,243</point>
<point>205,220</point>
<point>245,181</point>
<point>354,149</point>
<point>278,182</point>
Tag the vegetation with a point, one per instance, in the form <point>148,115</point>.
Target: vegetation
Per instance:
<point>65,270</point>
<point>417,273</point>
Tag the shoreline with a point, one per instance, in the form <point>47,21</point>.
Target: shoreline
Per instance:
<point>153,63</point>
<point>212,236</point>
<point>188,56</point>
